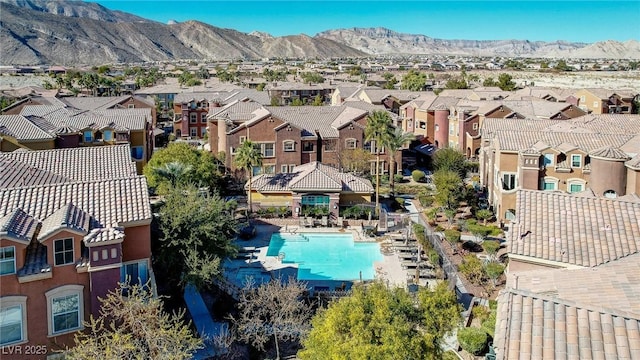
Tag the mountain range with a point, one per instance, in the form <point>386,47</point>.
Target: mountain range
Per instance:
<point>67,32</point>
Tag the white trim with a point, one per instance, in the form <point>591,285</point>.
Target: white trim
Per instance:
<point>62,291</point>
<point>571,161</point>
<point>550,179</point>
<point>576,181</point>
<point>17,300</point>
<point>104,267</point>
<point>286,142</point>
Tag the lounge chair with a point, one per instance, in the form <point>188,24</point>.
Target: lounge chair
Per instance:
<point>324,221</point>
<point>407,257</point>
<point>409,265</point>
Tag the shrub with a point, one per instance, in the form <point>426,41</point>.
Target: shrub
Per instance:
<point>472,340</point>
<point>398,178</point>
<point>439,228</point>
<point>452,236</point>
<point>426,200</point>
<point>418,230</point>
<point>417,175</point>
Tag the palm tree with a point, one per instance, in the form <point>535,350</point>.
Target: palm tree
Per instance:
<point>174,171</point>
<point>247,156</point>
<point>393,143</point>
<point>378,129</point>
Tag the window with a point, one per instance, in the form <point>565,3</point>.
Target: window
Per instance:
<point>510,214</point>
<point>269,169</point>
<point>289,145</point>
<point>114,253</point>
<point>611,194</point>
<point>423,125</point>
<point>8,260</point>
<point>203,118</point>
<point>583,98</point>
<point>437,127</point>
<point>547,160</point>
<point>88,136</point>
<point>350,143</point>
<point>576,161</point>
<point>315,200</point>
<point>549,184</point>
<point>107,135</point>
<point>574,187</point>
<point>13,319</point>
<point>136,273</point>
<point>242,139</point>
<point>63,251</point>
<point>203,132</point>
<point>291,167</point>
<point>193,131</point>
<point>596,104</point>
<point>475,126</point>
<point>508,181</point>
<point>137,152</point>
<point>307,146</point>
<point>193,118</point>
<point>284,168</point>
<point>450,129</point>
<point>65,309</point>
<point>267,149</point>
<point>256,170</point>
<point>329,145</point>
<point>131,106</point>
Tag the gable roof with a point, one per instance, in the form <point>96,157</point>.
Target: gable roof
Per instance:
<point>548,314</point>
<point>22,129</point>
<point>18,225</point>
<point>574,230</point>
<point>312,176</point>
<point>22,168</point>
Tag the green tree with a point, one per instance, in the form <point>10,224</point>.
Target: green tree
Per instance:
<point>491,247</point>
<point>275,310</point>
<point>248,156</point>
<point>355,71</point>
<point>394,142</point>
<point>203,168</point>
<point>484,215</point>
<point>448,188</point>
<point>456,83</point>
<point>450,159</point>
<point>479,231</point>
<point>494,270</point>
<point>489,82</point>
<point>472,339</point>
<point>414,81</point>
<point>505,82</point>
<point>133,325</point>
<point>379,322</point>
<point>562,66</point>
<point>297,102</point>
<point>356,160</point>
<point>261,86</point>
<point>195,233</point>
<point>377,131</point>
<point>391,80</point>
<point>452,236</point>
<point>317,101</point>
<point>175,172</point>
<point>312,77</point>
<point>472,269</point>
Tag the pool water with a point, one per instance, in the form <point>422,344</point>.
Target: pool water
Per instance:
<point>324,256</point>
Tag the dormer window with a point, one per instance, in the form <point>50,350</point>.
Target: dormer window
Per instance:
<point>107,135</point>
<point>63,251</point>
<point>8,260</point>
<point>88,136</point>
<point>576,161</point>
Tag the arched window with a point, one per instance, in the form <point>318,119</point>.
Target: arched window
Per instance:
<point>611,194</point>
<point>350,143</point>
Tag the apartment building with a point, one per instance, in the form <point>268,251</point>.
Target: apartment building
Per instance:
<point>594,153</point>
<point>73,223</point>
<point>292,136</point>
<point>605,101</point>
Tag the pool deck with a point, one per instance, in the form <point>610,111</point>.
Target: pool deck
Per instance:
<point>389,269</point>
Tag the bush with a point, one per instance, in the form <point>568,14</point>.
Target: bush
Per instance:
<point>473,340</point>
<point>452,236</point>
<point>418,230</point>
<point>426,200</point>
<point>398,178</point>
<point>417,175</point>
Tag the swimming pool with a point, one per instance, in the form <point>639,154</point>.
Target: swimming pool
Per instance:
<point>326,256</point>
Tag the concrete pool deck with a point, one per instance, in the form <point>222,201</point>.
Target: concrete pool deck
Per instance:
<point>389,269</point>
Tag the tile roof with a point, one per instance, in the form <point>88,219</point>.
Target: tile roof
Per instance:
<point>18,225</point>
<point>609,152</point>
<point>102,235</point>
<point>110,202</point>
<point>74,164</point>
<point>554,314</point>
<point>311,118</point>
<point>68,217</point>
<point>312,176</point>
<point>634,163</point>
<point>58,117</point>
<point>562,141</point>
<point>573,230</point>
<point>23,129</point>
<point>235,111</point>
<point>94,103</point>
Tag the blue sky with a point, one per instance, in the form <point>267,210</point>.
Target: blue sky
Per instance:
<point>585,21</point>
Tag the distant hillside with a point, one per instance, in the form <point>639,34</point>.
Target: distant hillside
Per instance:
<point>70,32</point>
<point>32,37</point>
<point>384,41</point>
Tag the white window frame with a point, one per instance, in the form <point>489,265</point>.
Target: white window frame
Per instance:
<point>123,270</point>
<point>263,149</point>
<point>63,252</point>
<point>576,181</point>
<point>193,118</point>
<point>62,292</point>
<point>436,127</point>
<point>475,126</point>
<point>580,160</point>
<point>284,169</point>
<point>203,131</point>
<point>596,104</point>
<point>288,145</point>
<point>549,180</point>
<point>107,138</point>
<point>291,167</point>
<point>203,117</point>
<point>8,302</point>
<point>350,143</point>
<point>510,174</point>
<point>12,260</point>
<point>193,131</point>
<point>242,139</point>
<point>131,106</point>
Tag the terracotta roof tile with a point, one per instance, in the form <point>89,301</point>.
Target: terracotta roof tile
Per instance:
<point>18,225</point>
